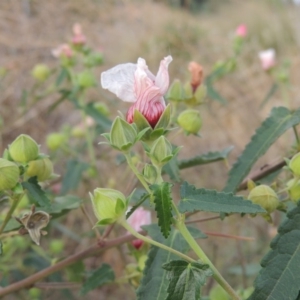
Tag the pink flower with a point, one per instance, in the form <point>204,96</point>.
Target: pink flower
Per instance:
<point>135,83</point>
<point>241,30</point>
<point>78,37</point>
<point>139,218</point>
<point>267,59</point>
<point>62,50</point>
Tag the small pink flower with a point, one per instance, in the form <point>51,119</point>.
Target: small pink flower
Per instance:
<point>241,30</point>
<point>139,218</point>
<point>267,59</point>
<point>78,37</point>
<point>135,83</point>
<point>62,50</point>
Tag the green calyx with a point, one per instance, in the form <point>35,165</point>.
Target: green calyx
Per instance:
<point>42,168</point>
<point>23,149</point>
<point>9,174</point>
<point>294,164</point>
<point>109,205</point>
<point>190,121</point>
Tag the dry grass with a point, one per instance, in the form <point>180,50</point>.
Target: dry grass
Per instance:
<point>128,29</point>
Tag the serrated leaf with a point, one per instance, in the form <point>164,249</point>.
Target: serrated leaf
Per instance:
<point>163,206</point>
<point>280,120</point>
<point>205,158</point>
<point>99,118</point>
<point>193,199</point>
<point>279,277</point>
<point>186,279</point>
<point>73,174</point>
<point>154,282</point>
<point>35,192</point>
<point>99,277</point>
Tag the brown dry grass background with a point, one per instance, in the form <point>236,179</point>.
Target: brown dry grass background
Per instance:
<point>125,30</point>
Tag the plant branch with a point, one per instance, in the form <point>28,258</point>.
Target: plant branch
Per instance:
<point>93,250</point>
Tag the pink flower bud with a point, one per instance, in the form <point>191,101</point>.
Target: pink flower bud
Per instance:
<point>241,30</point>
<point>267,59</point>
<point>62,50</point>
<point>135,83</point>
<point>196,71</point>
<point>78,37</point>
<point>139,218</point>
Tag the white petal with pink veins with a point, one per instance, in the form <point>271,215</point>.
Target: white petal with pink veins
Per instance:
<point>162,77</point>
<point>120,81</point>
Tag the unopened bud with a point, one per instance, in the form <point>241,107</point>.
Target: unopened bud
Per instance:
<point>42,168</point>
<point>294,164</point>
<point>161,152</point>
<point>23,149</point>
<point>190,121</point>
<point>9,174</point>
<point>109,205</point>
<point>294,189</point>
<point>265,197</point>
<point>122,135</point>
<point>86,79</point>
<point>40,72</point>
<point>176,92</point>
<point>55,140</point>
<point>150,173</point>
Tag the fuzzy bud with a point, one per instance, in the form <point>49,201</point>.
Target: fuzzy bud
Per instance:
<point>86,79</point>
<point>190,121</point>
<point>109,205</point>
<point>40,72</point>
<point>9,174</point>
<point>161,152</point>
<point>55,140</point>
<point>122,135</point>
<point>23,149</point>
<point>294,189</point>
<point>42,168</point>
<point>150,173</point>
<point>294,164</point>
<point>265,197</point>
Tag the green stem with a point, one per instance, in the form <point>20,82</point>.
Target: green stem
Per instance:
<point>154,243</point>
<point>137,173</point>
<point>296,136</point>
<point>194,245</point>
<point>10,212</point>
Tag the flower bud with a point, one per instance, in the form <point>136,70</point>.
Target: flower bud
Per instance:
<point>265,197</point>
<point>294,164</point>
<point>93,60</point>
<point>161,152</point>
<point>175,92</point>
<point>55,140</point>
<point>293,187</point>
<point>150,173</point>
<point>40,72</point>
<point>23,149</point>
<point>9,174</point>
<point>109,205</point>
<point>190,121</point>
<point>102,108</point>
<point>86,79</point>
<point>42,168</point>
<point>122,135</point>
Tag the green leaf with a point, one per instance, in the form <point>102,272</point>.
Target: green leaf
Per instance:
<point>73,174</point>
<point>62,205</point>
<point>99,118</point>
<point>193,199</point>
<point>35,192</point>
<point>213,94</point>
<point>99,277</point>
<point>205,158</point>
<point>280,120</point>
<point>154,282</point>
<point>12,224</point>
<point>163,206</point>
<point>279,277</point>
<point>172,169</point>
<point>186,279</point>
<point>62,75</point>
<point>270,93</point>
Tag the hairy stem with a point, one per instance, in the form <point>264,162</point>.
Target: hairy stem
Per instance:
<point>152,242</point>
<point>200,253</point>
